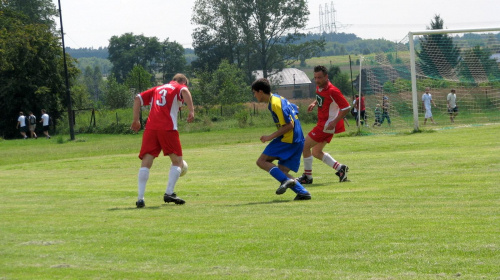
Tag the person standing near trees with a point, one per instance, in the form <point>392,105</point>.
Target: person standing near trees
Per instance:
<point>452,105</point>
<point>426,102</point>
<point>161,132</point>
<point>385,111</point>
<point>332,108</point>
<point>21,125</point>
<point>45,123</point>
<point>32,125</point>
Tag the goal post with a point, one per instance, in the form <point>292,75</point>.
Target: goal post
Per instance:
<point>465,60</point>
<point>413,58</point>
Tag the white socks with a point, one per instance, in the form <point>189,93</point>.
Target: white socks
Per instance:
<point>173,176</point>
<point>308,166</point>
<point>328,160</point>
<point>143,179</point>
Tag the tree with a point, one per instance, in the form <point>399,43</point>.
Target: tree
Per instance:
<point>254,34</point>
<point>36,11</point>
<point>116,95</point>
<point>340,80</point>
<point>31,69</point>
<point>438,54</point>
<point>477,66</point>
<point>128,50</point>
<point>172,60</point>
<point>94,83</point>
<point>226,85</point>
<point>138,79</point>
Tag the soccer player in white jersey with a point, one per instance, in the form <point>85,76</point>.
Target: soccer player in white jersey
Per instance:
<point>426,102</point>
<point>452,105</point>
<point>45,123</point>
<point>161,132</point>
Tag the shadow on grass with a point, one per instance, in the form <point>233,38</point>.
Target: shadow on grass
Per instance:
<point>262,203</point>
<point>134,208</point>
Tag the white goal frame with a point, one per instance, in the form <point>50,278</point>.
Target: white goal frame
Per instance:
<point>412,60</point>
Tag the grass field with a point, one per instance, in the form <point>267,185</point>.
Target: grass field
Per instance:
<point>419,206</point>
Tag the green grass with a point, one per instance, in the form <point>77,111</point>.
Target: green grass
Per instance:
<point>419,206</point>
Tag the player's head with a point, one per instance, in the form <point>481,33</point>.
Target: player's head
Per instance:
<point>31,113</point>
<point>427,89</point>
<point>261,89</point>
<point>43,111</point>
<point>21,113</point>
<point>261,84</point>
<point>320,76</point>
<point>453,90</point>
<point>181,79</point>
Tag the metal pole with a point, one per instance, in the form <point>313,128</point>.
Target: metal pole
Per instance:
<point>413,81</point>
<point>68,94</point>
<point>359,102</point>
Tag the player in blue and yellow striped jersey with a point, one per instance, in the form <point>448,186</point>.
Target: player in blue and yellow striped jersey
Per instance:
<point>287,142</point>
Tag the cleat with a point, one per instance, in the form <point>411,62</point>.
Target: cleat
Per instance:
<point>290,183</point>
<point>303,196</point>
<point>173,198</point>
<point>304,179</point>
<point>140,203</point>
<point>342,173</point>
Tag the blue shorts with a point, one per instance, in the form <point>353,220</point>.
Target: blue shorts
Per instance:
<point>288,154</point>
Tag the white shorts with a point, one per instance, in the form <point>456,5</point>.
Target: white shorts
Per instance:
<point>428,113</point>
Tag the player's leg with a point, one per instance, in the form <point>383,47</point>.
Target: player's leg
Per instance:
<point>308,158</point>
<point>150,149</point>
<point>341,169</point>
<point>171,146</point>
<point>265,162</point>
<point>292,162</point>
<point>142,178</point>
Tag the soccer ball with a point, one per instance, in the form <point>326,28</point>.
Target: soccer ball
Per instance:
<point>184,168</point>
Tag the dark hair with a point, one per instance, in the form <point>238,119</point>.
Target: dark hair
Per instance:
<point>262,84</point>
<point>321,68</point>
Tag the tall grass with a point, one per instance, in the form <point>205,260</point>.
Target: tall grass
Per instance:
<point>419,206</point>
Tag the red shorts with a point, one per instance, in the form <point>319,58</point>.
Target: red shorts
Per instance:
<point>153,141</point>
<point>319,136</point>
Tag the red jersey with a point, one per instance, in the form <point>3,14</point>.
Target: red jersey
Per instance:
<point>165,102</point>
<point>330,103</point>
<point>363,108</point>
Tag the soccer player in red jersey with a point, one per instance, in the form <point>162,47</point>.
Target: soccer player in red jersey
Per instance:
<point>332,108</point>
<point>161,132</point>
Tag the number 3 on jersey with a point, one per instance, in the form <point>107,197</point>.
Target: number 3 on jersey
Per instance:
<point>163,98</point>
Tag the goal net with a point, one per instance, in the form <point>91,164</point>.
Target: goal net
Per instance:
<point>464,60</point>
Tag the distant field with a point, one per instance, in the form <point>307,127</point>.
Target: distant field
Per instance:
<point>419,206</point>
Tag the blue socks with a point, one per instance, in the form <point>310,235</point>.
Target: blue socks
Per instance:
<point>299,189</point>
<point>281,177</point>
<point>278,174</point>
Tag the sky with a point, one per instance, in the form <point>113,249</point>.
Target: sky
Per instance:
<point>91,23</point>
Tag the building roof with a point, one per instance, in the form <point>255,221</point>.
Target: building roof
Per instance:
<point>285,77</point>
<point>495,56</point>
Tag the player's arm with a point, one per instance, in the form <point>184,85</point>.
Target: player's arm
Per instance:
<point>312,105</point>
<point>136,124</point>
<point>186,95</point>
<point>282,130</point>
<point>339,117</point>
